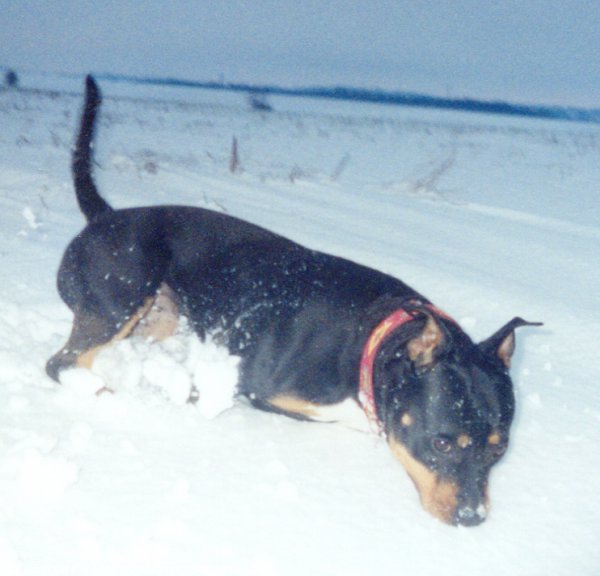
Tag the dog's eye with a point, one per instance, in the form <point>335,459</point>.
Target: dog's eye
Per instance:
<point>442,445</point>
<point>500,449</point>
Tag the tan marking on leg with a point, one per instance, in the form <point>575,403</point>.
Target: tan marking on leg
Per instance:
<point>86,358</point>
<point>87,332</point>
<point>347,413</point>
<point>406,420</point>
<point>162,319</point>
<point>438,497</point>
<point>294,405</point>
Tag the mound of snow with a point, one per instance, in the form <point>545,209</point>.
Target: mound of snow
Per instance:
<point>179,369</point>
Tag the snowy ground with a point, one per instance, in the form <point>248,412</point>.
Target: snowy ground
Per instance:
<point>490,217</point>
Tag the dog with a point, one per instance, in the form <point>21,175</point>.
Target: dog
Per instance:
<point>319,337</point>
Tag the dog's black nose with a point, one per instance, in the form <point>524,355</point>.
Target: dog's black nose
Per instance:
<point>470,516</point>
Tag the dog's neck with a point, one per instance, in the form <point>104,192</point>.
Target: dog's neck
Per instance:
<point>366,392</point>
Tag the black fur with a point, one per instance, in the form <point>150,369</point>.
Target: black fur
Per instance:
<point>297,318</point>
<point>90,202</point>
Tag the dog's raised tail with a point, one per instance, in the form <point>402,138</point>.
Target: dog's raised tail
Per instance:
<point>89,200</point>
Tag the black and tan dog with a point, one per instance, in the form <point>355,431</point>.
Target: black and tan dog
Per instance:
<point>319,337</point>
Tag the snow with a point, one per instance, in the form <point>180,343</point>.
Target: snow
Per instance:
<point>489,217</point>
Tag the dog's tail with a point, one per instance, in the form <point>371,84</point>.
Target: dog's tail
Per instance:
<point>89,200</point>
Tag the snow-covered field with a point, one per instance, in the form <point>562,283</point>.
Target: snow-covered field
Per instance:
<point>489,217</point>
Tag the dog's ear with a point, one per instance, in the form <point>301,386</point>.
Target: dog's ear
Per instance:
<point>421,348</point>
<point>502,343</point>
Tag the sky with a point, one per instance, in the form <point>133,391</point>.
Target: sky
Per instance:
<point>526,51</point>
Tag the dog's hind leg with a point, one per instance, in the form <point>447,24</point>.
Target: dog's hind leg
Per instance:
<point>90,334</point>
<point>162,319</point>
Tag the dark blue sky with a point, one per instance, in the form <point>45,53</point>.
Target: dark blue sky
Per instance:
<point>542,51</point>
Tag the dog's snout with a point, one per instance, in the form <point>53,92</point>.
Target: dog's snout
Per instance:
<point>470,516</point>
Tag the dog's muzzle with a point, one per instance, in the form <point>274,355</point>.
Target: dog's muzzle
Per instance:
<point>468,515</point>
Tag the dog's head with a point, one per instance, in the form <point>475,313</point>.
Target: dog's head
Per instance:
<point>446,406</point>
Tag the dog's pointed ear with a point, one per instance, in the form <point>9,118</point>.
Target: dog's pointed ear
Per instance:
<point>502,343</point>
<point>421,348</point>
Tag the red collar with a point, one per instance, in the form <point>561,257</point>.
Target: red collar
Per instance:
<point>366,392</point>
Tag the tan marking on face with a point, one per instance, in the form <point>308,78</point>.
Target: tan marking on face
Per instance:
<point>406,419</point>
<point>494,439</point>
<point>464,440</point>
<point>439,497</point>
